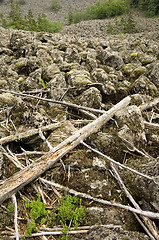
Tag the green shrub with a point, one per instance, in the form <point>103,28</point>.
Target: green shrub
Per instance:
<point>15,20</point>
<point>100,10</point>
<point>150,7</point>
<point>55,5</point>
<point>1,1</point>
<point>125,24</point>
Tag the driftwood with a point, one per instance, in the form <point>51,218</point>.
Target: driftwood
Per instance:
<point>102,201</point>
<point>34,170</point>
<point>18,136</point>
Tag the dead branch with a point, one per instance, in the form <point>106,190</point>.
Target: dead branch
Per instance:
<point>152,126</point>
<point>63,103</point>
<point>148,226</point>
<point>35,169</point>
<point>102,201</point>
<point>29,133</point>
<point>15,216</point>
<point>150,104</point>
<point>117,163</point>
<point>109,226</point>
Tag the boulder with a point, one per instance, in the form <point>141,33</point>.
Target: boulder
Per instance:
<point>90,98</point>
<point>143,86</point>
<point>78,78</point>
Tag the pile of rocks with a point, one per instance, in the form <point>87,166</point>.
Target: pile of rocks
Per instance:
<point>96,73</point>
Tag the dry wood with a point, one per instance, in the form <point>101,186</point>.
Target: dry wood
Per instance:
<point>148,225</point>
<point>30,173</point>
<point>109,226</point>
<point>102,201</point>
<point>152,126</point>
<point>117,163</point>
<point>150,104</point>
<point>63,103</point>
<point>18,136</point>
<point>15,216</point>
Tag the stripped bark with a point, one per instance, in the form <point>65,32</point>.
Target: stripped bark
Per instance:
<point>34,170</point>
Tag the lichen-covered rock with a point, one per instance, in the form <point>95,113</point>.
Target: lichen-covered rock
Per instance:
<point>98,233</point>
<point>144,86</point>
<point>72,55</point>
<point>78,78</point>
<point>153,73</point>
<point>131,125</point>
<point>50,72</point>
<point>109,57</point>
<point>137,72</point>
<point>147,59</point>
<point>90,98</point>
<point>99,75</point>
<point>7,99</point>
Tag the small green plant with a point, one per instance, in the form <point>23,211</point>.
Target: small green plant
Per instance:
<point>55,5</point>
<point>37,211</point>
<point>71,210</point>
<point>30,228</point>
<point>10,208</point>
<point>42,83</point>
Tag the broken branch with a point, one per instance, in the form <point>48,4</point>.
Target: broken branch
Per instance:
<point>102,201</point>
<point>35,169</point>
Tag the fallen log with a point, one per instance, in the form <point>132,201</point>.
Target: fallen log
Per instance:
<point>34,170</point>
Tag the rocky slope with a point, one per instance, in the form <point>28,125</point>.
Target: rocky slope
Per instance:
<point>87,68</point>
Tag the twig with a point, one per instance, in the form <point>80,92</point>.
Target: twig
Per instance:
<point>52,233</point>
<point>15,216</point>
<point>102,201</point>
<point>153,126</point>
<point>132,148</point>
<point>80,227</point>
<point>44,139</point>
<point>29,133</point>
<point>75,106</point>
<point>150,104</point>
<point>117,163</point>
<point>149,228</point>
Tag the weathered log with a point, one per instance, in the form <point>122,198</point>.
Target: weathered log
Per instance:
<point>30,173</point>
